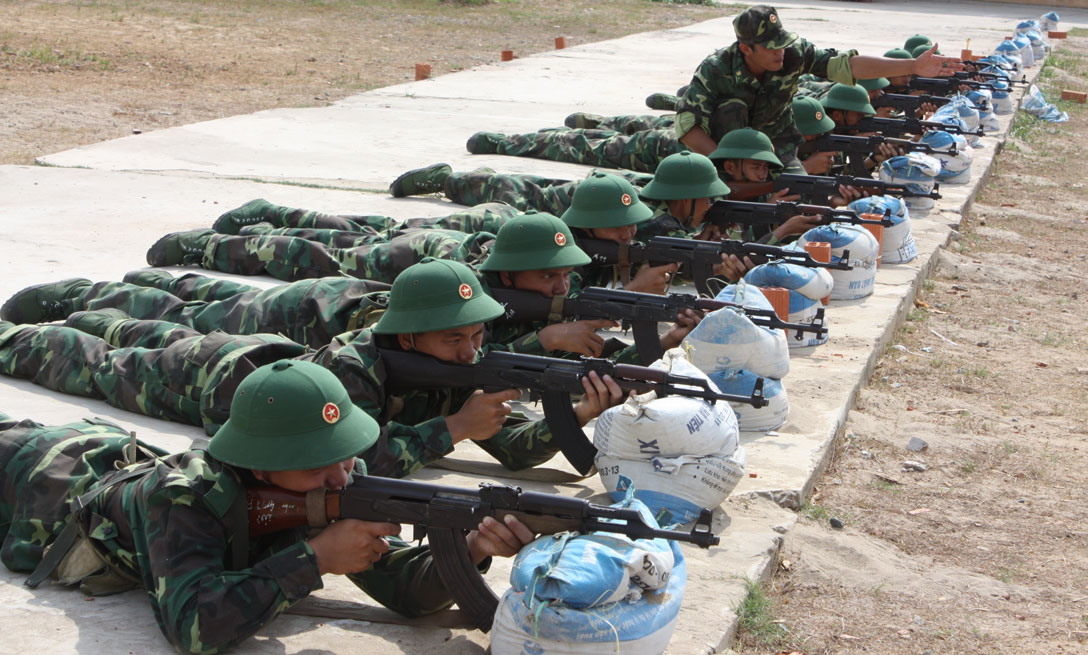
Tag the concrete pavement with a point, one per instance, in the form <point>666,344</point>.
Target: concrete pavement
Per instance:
<point>94,211</point>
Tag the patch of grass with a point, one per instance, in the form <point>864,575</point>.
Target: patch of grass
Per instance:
<point>1078,31</point>
<point>916,314</point>
<point>967,467</point>
<point>757,623</point>
<point>1008,448</point>
<point>928,285</point>
<point>884,485</point>
<point>1054,340</point>
<point>1007,575</point>
<point>815,512</point>
<point>938,362</point>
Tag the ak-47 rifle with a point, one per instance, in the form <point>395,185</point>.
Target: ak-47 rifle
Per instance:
<point>729,212</point>
<point>445,514</point>
<point>857,148</point>
<point>899,126</point>
<point>908,103</point>
<point>990,77</point>
<point>550,379</point>
<point>641,312</point>
<point>817,189</point>
<point>696,258</point>
<point>943,86</point>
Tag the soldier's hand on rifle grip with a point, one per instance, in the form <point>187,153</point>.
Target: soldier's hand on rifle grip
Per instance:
<point>685,323</point>
<point>847,194</point>
<point>819,163</point>
<point>495,538</point>
<point>710,232</point>
<point>784,195</point>
<point>350,545</point>
<point>576,336</point>
<point>798,224</point>
<point>481,416</point>
<point>733,268</point>
<point>601,393</point>
<point>925,110</point>
<point>652,279</point>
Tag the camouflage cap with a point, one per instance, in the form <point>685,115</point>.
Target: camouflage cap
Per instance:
<point>848,98</point>
<point>292,416</point>
<point>534,241</point>
<point>874,84</point>
<point>685,175</point>
<point>918,39</point>
<point>604,200</point>
<point>760,24</point>
<point>433,295</point>
<point>747,143</point>
<point>810,117</point>
<point>898,53</point>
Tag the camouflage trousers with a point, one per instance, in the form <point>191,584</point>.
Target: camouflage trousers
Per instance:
<point>524,192</point>
<point>156,368</point>
<point>294,258</point>
<point>309,312</point>
<point>641,151</point>
<point>41,469</point>
<point>631,123</point>
<point>350,230</point>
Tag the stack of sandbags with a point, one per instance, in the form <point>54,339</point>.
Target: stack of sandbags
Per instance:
<point>807,286</point>
<point>677,454</point>
<point>897,246</point>
<point>916,171</point>
<point>591,594</point>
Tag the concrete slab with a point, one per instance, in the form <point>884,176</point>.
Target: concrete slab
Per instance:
<point>98,221</point>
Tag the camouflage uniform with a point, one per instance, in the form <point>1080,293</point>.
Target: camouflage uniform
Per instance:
<point>171,530</point>
<point>294,258</point>
<point>172,372</point>
<point>640,151</point>
<point>482,217</point>
<point>309,312</point>
<point>811,86</point>
<point>524,192</point>
<point>724,96</point>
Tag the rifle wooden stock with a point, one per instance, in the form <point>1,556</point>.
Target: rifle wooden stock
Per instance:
<point>749,190</point>
<point>446,513</point>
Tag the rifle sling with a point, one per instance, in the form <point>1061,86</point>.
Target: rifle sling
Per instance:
<point>328,608</point>
<point>555,313</point>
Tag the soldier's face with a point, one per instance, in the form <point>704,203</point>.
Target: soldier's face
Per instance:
<point>746,170</point>
<point>899,81</point>
<point>760,59</point>
<point>333,476</point>
<point>548,282</point>
<point>625,234</point>
<point>456,345</point>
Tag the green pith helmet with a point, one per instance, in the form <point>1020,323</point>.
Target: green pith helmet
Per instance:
<point>874,84</point>
<point>760,24</point>
<point>435,294</point>
<point>809,116</point>
<point>848,98</point>
<point>292,416</point>
<point>534,241</point>
<point>919,50</point>
<point>898,53</point>
<point>685,175</point>
<point>918,39</point>
<point>604,200</point>
<point>746,143</point>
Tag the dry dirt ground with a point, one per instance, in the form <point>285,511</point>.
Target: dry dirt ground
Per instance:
<point>79,72</point>
<point>986,551</point>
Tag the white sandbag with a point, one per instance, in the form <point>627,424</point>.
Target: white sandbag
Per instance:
<point>756,419</point>
<point>1003,103</point>
<point>965,114</point>
<point>917,172</point>
<point>954,153</point>
<point>676,489</point>
<point>898,245</point>
<point>804,310</point>
<point>1048,22</point>
<point>863,251</point>
<point>527,626</point>
<point>809,282</point>
<point>727,339</point>
<point>674,426</point>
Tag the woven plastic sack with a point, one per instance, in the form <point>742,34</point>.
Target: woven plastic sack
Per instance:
<point>917,172</point>
<point>756,419</point>
<point>1035,104</point>
<point>863,252</point>
<point>726,339</point>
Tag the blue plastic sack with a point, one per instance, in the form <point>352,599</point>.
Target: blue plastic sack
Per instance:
<point>1035,104</point>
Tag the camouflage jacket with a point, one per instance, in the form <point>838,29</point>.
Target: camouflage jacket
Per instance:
<point>413,425</point>
<point>724,95</point>
<point>172,530</point>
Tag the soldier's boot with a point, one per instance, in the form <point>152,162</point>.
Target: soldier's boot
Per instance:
<point>252,212</point>
<point>484,143</point>
<point>420,181</point>
<point>661,101</point>
<point>150,278</point>
<point>97,322</point>
<point>43,303</point>
<point>583,121</point>
<point>179,248</point>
